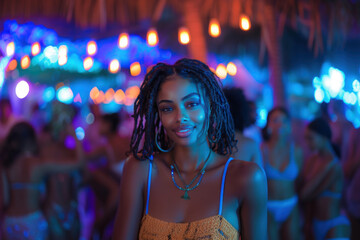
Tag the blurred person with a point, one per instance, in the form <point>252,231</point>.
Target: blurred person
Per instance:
<point>282,164</point>
<point>61,203</point>
<point>7,117</point>
<point>340,127</point>
<point>251,130</point>
<point>322,184</point>
<point>181,182</point>
<point>23,177</point>
<point>247,148</point>
<point>351,167</point>
<point>93,137</point>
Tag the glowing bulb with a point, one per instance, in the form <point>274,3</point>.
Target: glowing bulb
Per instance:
<point>119,96</point>
<point>135,69</point>
<point>152,37</point>
<point>114,66</point>
<point>132,92</point>
<point>62,60</point>
<point>10,49</point>
<point>319,95</point>
<point>109,95</point>
<point>231,69</point>
<point>65,95</point>
<point>12,65</point>
<point>94,93</point>
<point>221,71</point>
<point>88,63</point>
<point>355,85</point>
<point>244,23</point>
<point>22,89</point>
<point>25,62</point>
<point>91,48</point>
<point>214,28</point>
<point>63,50</point>
<point>184,36</point>
<point>35,49</point>
<point>123,40</point>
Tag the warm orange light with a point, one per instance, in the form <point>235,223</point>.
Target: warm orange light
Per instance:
<point>123,40</point>
<point>129,101</point>
<point>25,62</point>
<point>62,60</point>
<point>244,23</point>
<point>100,98</point>
<point>119,96</point>
<point>91,48</point>
<point>221,71</point>
<point>12,65</point>
<point>88,63</point>
<point>135,69</point>
<point>59,85</point>
<point>94,93</point>
<point>231,69</point>
<point>114,66</point>
<point>109,95</point>
<point>132,92</point>
<point>63,50</point>
<point>214,28</point>
<point>10,49</point>
<point>35,48</point>
<point>152,37</point>
<point>184,36</point>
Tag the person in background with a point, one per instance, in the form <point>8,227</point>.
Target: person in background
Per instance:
<point>7,118</point>
<point>24,171</point>
<point>322,185</point>
<point>181,182</point>
<point>247,148</point>
<point>251,130</point>
<point>282,164</point>
<point>351,168</point>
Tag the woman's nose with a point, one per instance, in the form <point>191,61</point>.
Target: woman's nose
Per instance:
<point>182,115</point>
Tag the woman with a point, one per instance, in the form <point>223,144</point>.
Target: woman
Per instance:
<point>323,184</point>
<point>183,120</point>
<point>247,148</point>
<point>282,161</point>
<point>25,171</point>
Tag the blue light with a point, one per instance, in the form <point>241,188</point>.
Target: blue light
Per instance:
<point>319,95</point>
<point>356,85</point>
<point>65,95</point>
<point>51,53</point>
<point>317,82</point>
<point>80,133</point>
<point>49,94</point>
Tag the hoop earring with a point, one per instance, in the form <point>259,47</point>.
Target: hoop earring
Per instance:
<point>158,145</point>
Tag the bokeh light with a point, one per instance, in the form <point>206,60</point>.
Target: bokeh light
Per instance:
<point>152,37</point>
<point>35,48</point>
<point>91,48</point>
<point>221,71</point>
<point>25,62</point>
<point>184,35</point>
<point>123,40</point>
<point>94,93</point>
<point>65,95</point>
<point>10,49</point>
<point>119,96</point>
<point>22,89</point>
<point>12,65</point>
<point>135,69</point>
<point>88,63</point>
<point>244,23</point>
<point>80,133</point>
<point>214,28</point>
<point>48,94</point>
<point>231,68</point>
<point>114,66</point>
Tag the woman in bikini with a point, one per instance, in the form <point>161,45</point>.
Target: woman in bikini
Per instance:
<point>282,161</point>
<point>323,184</point>
<point>180,182</point>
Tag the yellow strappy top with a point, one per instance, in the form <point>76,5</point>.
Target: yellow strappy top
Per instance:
<point>215,227</point>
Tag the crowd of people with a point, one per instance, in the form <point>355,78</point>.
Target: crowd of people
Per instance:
<point>193,168</point>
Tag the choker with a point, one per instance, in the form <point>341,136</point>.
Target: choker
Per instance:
<point>187,187</point>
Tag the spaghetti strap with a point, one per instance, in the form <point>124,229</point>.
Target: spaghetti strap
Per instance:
<point>148,185</point>
<point>223,185</point>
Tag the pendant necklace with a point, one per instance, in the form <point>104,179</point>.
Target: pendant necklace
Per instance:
<point>187,187</point>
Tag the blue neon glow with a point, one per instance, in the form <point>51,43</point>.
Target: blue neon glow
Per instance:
<point>65,95</point>
<point>319,95</point>
<point>48,94</point>
<point>80,133</point>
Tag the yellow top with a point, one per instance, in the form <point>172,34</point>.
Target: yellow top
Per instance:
<point>215,228</point>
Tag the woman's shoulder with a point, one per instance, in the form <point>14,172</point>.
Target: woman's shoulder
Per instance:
<point>245,172</point>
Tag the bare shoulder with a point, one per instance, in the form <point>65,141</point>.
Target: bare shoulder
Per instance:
<point>135,168</point>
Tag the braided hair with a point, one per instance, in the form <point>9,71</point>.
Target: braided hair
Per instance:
<point>220,131</point>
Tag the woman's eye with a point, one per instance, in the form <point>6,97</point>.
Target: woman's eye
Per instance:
<point>165,109</point>
<point>192,104</point>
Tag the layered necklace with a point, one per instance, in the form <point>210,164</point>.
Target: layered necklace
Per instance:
<point>190,186</point>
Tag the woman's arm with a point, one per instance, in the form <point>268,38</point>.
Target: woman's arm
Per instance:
<point>253,212</point>
<point>131,204</point>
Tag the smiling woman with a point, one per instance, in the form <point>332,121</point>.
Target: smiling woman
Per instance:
<point>180,182</point>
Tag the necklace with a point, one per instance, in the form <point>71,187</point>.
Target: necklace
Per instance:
<point>188,187</point>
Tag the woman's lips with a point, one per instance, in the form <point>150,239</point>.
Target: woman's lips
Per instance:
<point>184,132</point>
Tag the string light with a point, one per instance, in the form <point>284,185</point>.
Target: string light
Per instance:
<point>62,60</point>
<point>244,23</point>
<point>91,48</point>
<point>94,93</point>
<point>152,37</point>
<point>25,62</point>
<point>22,89</point>
<point>135,69</point>
<point>88,63</point>
<point>10,49</point>
<point>12,65</point>
<point>184,36</point>
<point>119,96</point>
<point>123,40</point>
<point>35,48</point>
<point>231,68</point>
<point>114,66</point>
<point>221,71</point>
<point>214,28</point>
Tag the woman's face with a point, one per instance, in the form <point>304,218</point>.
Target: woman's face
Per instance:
<point>181,110</point>
<point>313,140</point>
<point>279,124</point>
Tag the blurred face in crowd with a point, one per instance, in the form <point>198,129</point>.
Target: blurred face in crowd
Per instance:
<point>279,124</point>
<point>314,140</point>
